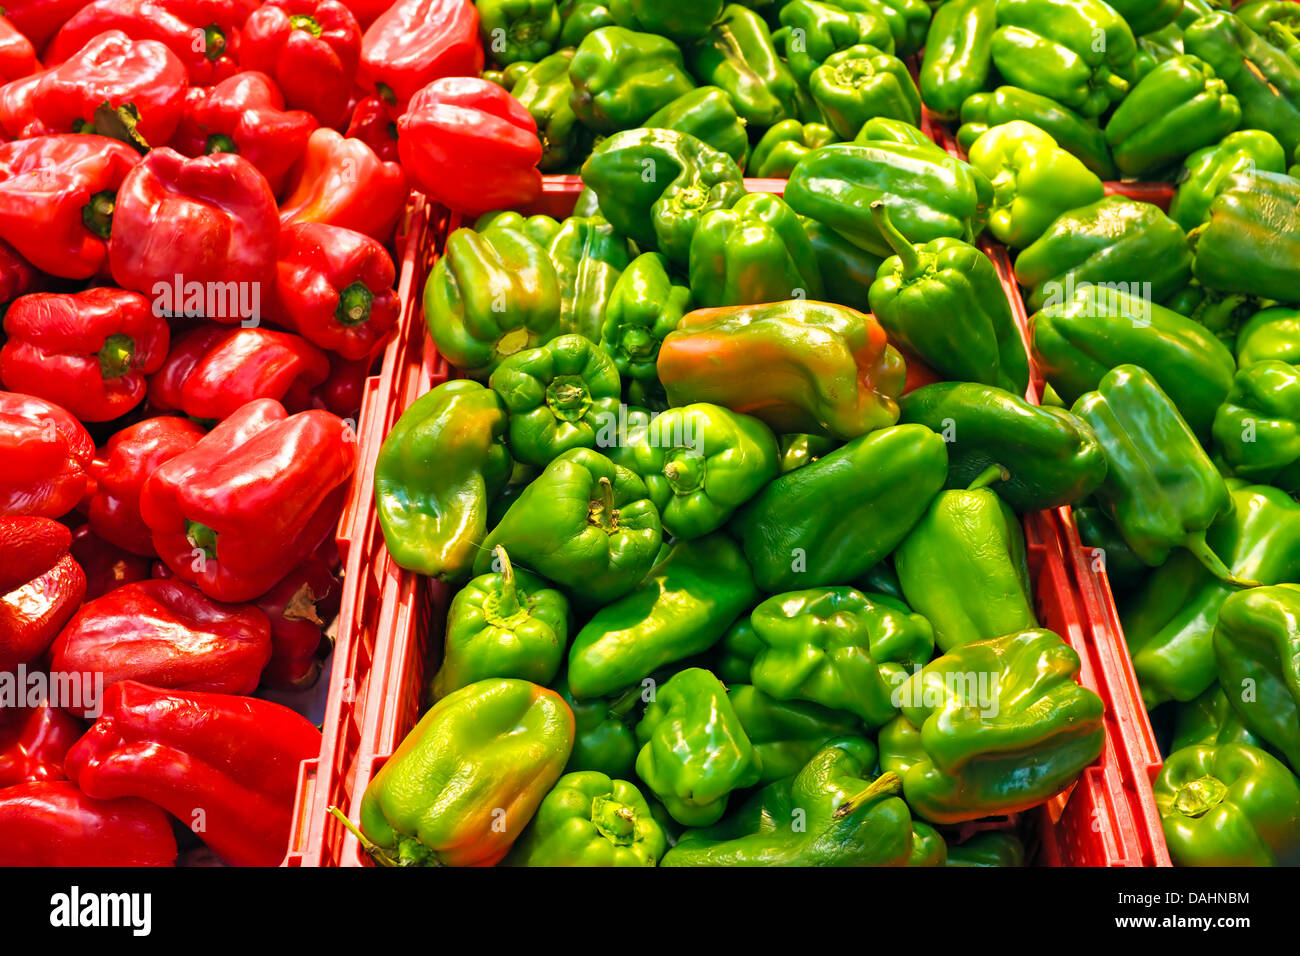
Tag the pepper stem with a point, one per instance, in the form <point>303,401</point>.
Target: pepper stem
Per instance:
<point>375,851</point>
<point>508,603</point>
<point>115,357</point>
<point>904,249</point>
<point>202,537</point>
<point>214,42</point>
<point>1199,797</point>
<point>97,215</point>
<point>304,22</point>
<point>888,784</point>
<point>1197,544</point>
<point>219,143</point>
<point>605,507</point>
<point>1117,83</point>
<point>354,304</point>
<point>989,475</point>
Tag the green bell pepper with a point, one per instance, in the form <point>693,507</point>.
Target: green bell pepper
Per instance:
<point>708,114</point>
<point>604,739</point>
<point>1231,805</point>
<point>515,30</point>
<point>800,450</point>
<point>990,848</point>
<point>832,520</point>
<point>909,20</point>
<point>694,751</point>
<point>1052,457</point>
<point>944,302</point>
<point>738,55</point>
<point>590,820</point>
<point>1209,721</point>
<point>584,523</point>
<point>1257,428</point>
<point>620,78</point>
<point>812,31</point>
<point>860,83</point>
<point>1270,335</point>
<point>544,91</point>
<point>655,185</point>
<point>1259,14</point>
<point>681,608</point>
<point>1209,171</point>
<point>1147,16</point>
<point>1251,243</point>
<point>847,270</point>
<point>491,294</point>
<point>644,306</point>
<point>505,624</point>
<point>589,257</point>
<point>580,17</point>
<point>786,733</point>
<point>884,129</point>
<point>784,144</point>
<point>436,471</point>
<point>1109,551</point>
<point>539,228</point>
<point>974,719</point>
<point>840,648</point>
<point>958,55</point>
<point>680,20</point>
<point>1081,137</point>
<point>510,75</point>
<point>928,847</point>
<point>964,566</point>
<point>734,654</point>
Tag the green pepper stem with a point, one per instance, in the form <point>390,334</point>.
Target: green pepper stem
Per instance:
<point>904,249</point>
<point>219,143</point>
<point>607,513</point>
<point>1197,544</point>
<point>304,22</point>
<point>375,851</point>
<point>1117,83</point>
<point>115,357</point>
<point>1199,797</point>
<point>508,604</point>
<point>214,42</point>
<point>888,784</point>
<point>354,304</point>
<point>624,703</point>
<point>97,215</point>
<point>989,475</point>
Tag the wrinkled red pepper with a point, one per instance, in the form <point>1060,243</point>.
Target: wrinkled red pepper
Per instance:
<point>17,110</point>
<point>57,197</point>
<point>342,182</point>
<point>203,34</point>
<point>415,42</point>
<point>34,741</point>
<point>107,567</point>
<point>312,48</point>
<point>334,287</point>
<point>32,613</point>
<point>242,508</point>
<point>225,766</point>
<point>167,634</point>
<point>245,114</point>
<point>375,125</point>
<point>17,275</point>
<point>115,70</point>
<point>343,391</point>
<point>40,19</point>
<point>17,55</point>
<point>214,370</point>
<point>120,470</point>
<point>299,608</point>
<point>89,351</point>
<point>46,454</point>
<point>207,223</point>
<point>52,823</point>
<point>29,546</point>
<point>468,144</point>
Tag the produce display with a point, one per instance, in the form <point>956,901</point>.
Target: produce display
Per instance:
<point>775,427</point>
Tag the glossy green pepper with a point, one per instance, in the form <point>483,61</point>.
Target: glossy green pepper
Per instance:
<point>975,718</point>
<point>928,847</point>
<point>786,733</point>
<point>1231,805</point>
<point>1257,428</point>
<point>644,306</point>
<point>847,270</point>
<point>621,77</point>
<point>909,20</point>
<point>1034,181</point>
<point>681,608</point>
<point>1209,721</point>
<point>1052,457</point>
<point>504,624</point>
<point>584,523</point>
<point>1251,243</point>
<point>734,654</point>
<point>752,253</point>
<point>680,20</point>
<point>539,228</point>
<point>812,31</point>
<point>1259,14</point>
<point>1209,170</point>
<point>708,114</point>
<point>1109,551</point>
<point>544,91</point>
<point>738,55</point>
<point>833,813</point>
<point>1076,135</point>
<point>590,820</point>
<point>1177,108</point>
<point>964,567</point>
<point>580,17</point>
<point>510,75</point>
<point>990,848</point>
<point>655,185</point>
<point>604,738</point>
<point>944,302</point>
<point>518,29</point>
<point>800,450</point>
<point>436,471</point>
<point>784,144</point>
<point>694,751</point>
<point>840,648</point>
<point>958,54</point>
<point>833,519</point>
<point>860,83</point>
<point>1270,335</point>
<point>589,257</point>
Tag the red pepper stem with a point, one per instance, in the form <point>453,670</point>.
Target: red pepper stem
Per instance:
<point>904,249</point>
<point>989,475</point>
<point>508,604</point>
<point>1197,544</point>
<point>376,852</point>
<point>354,304</point>
<point>888,784</point>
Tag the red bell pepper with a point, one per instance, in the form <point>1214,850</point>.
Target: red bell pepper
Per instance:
<point>225,766</point>
<point>38,20</point>
<point>207,224</point>
<point>17,109</point>
<point>245,114</point>
<point>300,608</point>
<point>342,182</point>
<point>343,391</point>
<point>204,34</point>
<point>52,823</point>
<point>34,741</point>
<point>32,614</point>
<point>415,42</point>
<point>17,275</point>
<point>334,287</point>
<point>89,351</point>
<point>166,634</point>
<point>46,455</point>
<point>312,48</point>
<point>242,508</point>
<point>57,199</point>
<point>17,55</point>
<point>367,11</point>
<point>120,470</point>
<point>375,125</point>
<point>470,145</point>
<point>107,567</point>
<point>214,370</point>
<point>29,546</point>
<point>141,81</point>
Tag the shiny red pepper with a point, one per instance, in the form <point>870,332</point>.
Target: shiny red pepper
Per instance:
<point>107,567</point>
<point>242,508</point>
<point>34,741</point>
<point>342,392</point>
<point>203,34</point>
<point>120,470</point>
<point>17,275</point>
<point>166,634</point>
<point>334,287</point>
<point>88,351</point>
<point>17,110</point>
<point>40,19</point>
<point>17,55</point>
<point>29,546</point>
<point>342,182</point>
<point>375,125</point>
<point>213,371</point>
<point>312,48</point>
<point>46,455</point>
<point>57,197</point>
<point>367,11</point>
<point>207,223</point>
<point>52,823</point>
<point>225,766</point>
<point>245,114</point>
<point>415,42</point>
<point>300,608</point>
<point>468,144</point>
<point>141,81</point>
<point>50,587</point>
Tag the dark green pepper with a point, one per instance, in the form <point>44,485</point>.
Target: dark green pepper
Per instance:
<point>735,653</point>
<point>680,20</point>
<point>1109,551</point>
<point>605,738</point>
<point>786,733</point>
<point>620,78</point>
<point>708,114</point>
<point>847,270</point>
<point>1251,243</point>
<point>644,306</point>
<point>1209,721</point>
<point>784,145</point>
<point>990,848</point>
<point>544,91</point>
<point>515,30</point>
<point>1257,428</point>
<point>738,55</point>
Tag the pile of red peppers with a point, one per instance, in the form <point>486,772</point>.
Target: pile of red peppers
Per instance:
<point>198,208</point>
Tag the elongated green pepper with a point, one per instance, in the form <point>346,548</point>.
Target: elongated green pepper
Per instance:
<point>708,114</point>
<point>752,253</point>
<point>738,55</point>
<point>1073,133</point>
<point>589,257</point>
<point>958,54</point>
